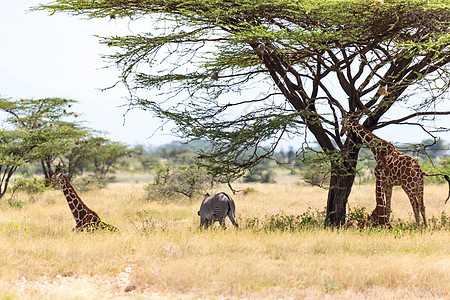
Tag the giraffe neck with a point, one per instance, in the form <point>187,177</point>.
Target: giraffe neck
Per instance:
<point>77,207</point>
<point>368,138</point>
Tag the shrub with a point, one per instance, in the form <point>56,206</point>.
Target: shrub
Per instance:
<point>30,185</point>
<point>260,174</point>
<point>357,213</point>
<point>287,223</point>
<point>15,203</point>
<point>169,182</point>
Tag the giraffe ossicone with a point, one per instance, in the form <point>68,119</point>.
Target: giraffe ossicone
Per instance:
<point>393,169</point>
<point>85,218</point>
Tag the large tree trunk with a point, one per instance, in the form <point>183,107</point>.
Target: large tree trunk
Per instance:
<point>343,171</point>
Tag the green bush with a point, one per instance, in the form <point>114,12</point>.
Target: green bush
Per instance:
<point>442,166</point>
<point>30,185</point>
<point>261,174</point>
<point>15,203</point>
<point>287,223</point>
<point>171,182</point>
<point>311,220</point>
<point>357,213</point>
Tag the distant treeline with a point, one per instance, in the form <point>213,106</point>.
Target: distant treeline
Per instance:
<point>309,164</point>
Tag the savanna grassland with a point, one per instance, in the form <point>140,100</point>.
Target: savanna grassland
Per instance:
<point>159,252</point>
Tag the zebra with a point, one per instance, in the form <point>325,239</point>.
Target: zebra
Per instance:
<point>216,208</point>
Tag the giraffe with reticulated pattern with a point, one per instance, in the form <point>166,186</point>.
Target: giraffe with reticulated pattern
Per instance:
<point>85,218</point>
<point>393,169</point>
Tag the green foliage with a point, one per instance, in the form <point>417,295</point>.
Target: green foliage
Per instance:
<point>104,154</point>
<point>15,203</point>
<point>46,123</point>
<point>434,223</point>
<point>443,222</point>
<point>314,166</point>
<point>147,160</point>
<point>174,153</point>
<point>30,185</point>
<point>314,176</point>
<point>289,223</point>
<point>310,220</point>
<point>261,173</point>
<point>35,130</point>
<point>92,153</point>
<point>441,166</point>
<point>357,213</point>
<point>171,182</point>
<point>45,131</point>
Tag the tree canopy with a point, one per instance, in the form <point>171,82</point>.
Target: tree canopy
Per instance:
<point>244,74</point>
<point>34,130</point>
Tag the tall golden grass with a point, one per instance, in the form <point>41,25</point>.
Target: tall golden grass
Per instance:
<point>160,253</point>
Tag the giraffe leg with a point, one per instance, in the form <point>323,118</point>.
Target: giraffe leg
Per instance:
<point>412,195</point>
<point>415,209</point>
<point>388,196</point>
<point>420,202</point>
<point>381,211</point>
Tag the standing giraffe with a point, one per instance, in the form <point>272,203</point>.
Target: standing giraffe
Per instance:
<point>85,218</point>
<point>393,168</point>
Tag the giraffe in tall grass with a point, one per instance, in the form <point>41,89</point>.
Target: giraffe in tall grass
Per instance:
<point>85,218</point>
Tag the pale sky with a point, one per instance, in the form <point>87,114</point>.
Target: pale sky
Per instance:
<point>59,56</point>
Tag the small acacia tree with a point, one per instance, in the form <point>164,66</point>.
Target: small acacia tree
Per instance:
<point>316,61</point>
<point>103,154</point>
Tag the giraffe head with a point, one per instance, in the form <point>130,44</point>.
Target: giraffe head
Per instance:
<point>347,124</point>
<point>56,178</point>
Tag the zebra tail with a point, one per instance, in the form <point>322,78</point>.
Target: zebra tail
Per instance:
<point>230,207</point>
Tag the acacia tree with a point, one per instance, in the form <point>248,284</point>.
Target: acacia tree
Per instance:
<point>48,120</point>
<point>33,130</point>
<point>104,154</point>
<point>316,61</point>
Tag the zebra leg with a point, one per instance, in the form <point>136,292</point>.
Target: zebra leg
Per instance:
<point>208,223</point>
<point>222,223</point>
<point>203,223</point>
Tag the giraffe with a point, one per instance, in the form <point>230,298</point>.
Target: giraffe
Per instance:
<point>85,218</point>
<point>393,169</point>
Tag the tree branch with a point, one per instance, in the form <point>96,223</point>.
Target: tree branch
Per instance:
<point>398,121</point>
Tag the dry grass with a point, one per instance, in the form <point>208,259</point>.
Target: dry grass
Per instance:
<point>160,254</point>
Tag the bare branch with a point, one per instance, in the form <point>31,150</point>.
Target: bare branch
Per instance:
<point>416,114</point>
